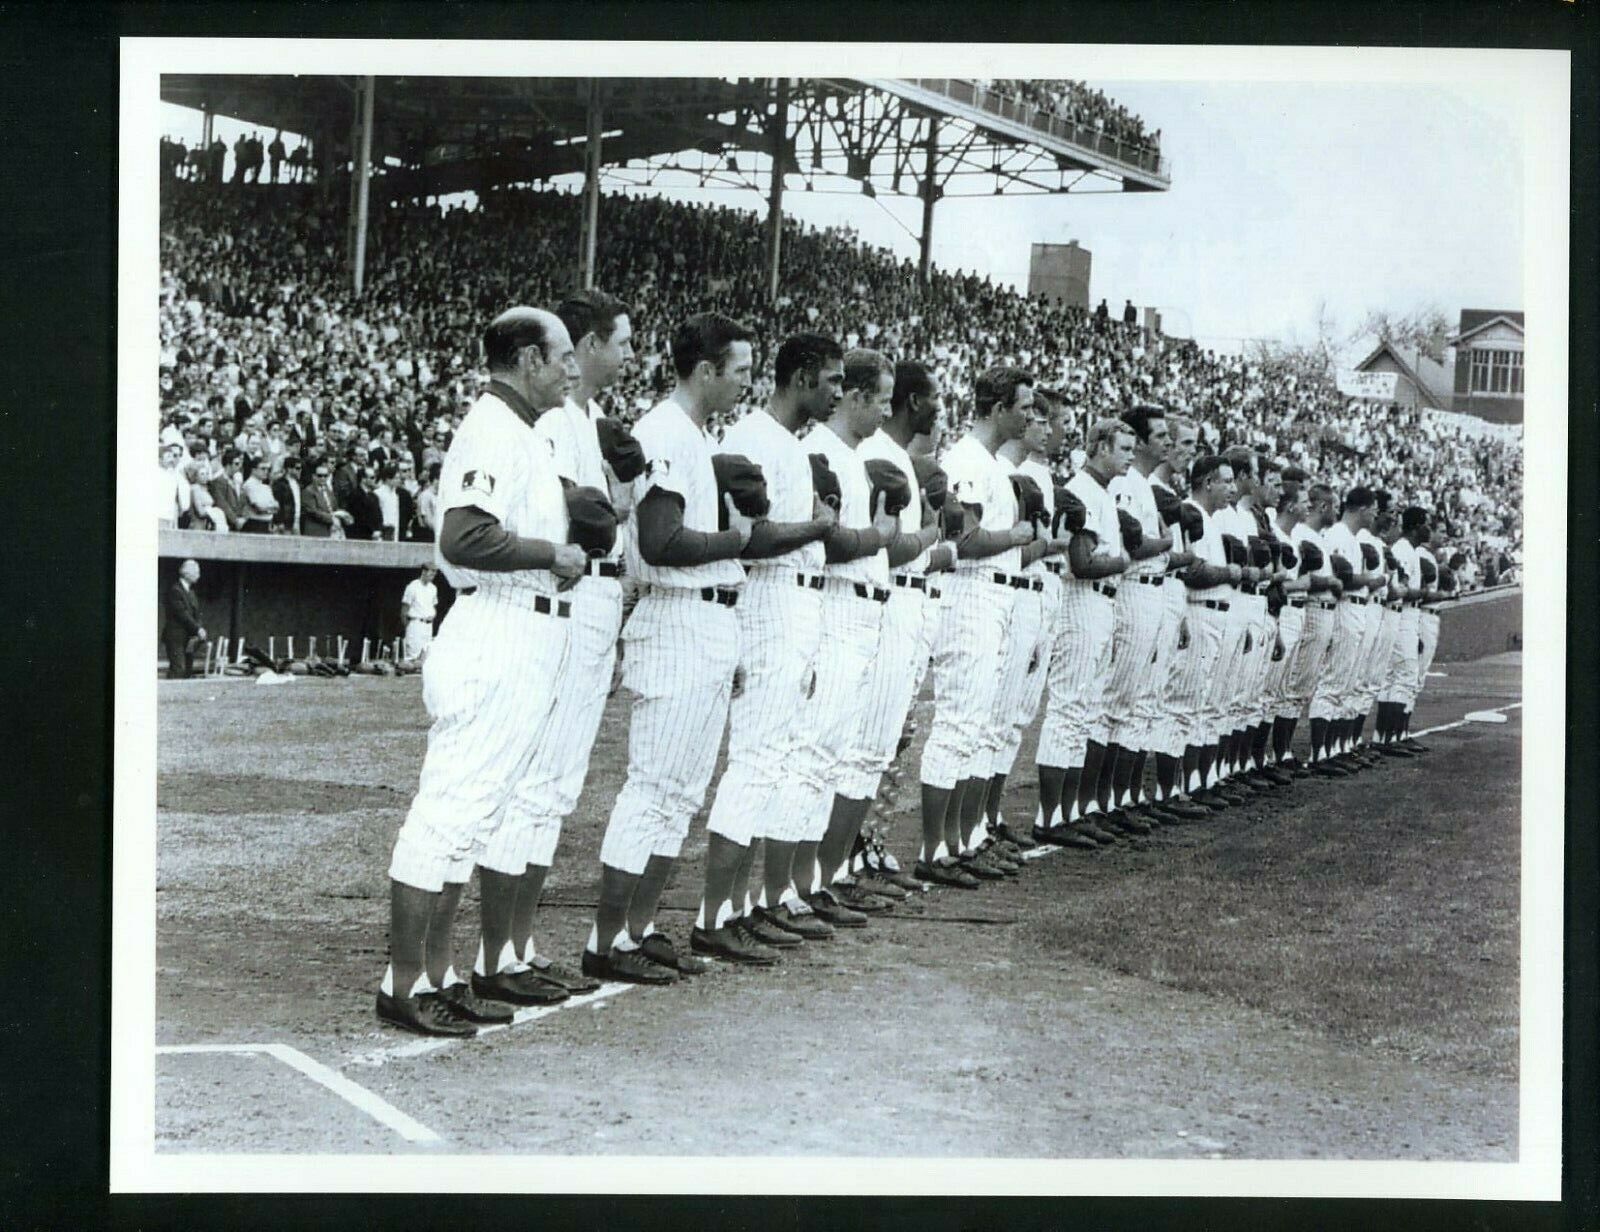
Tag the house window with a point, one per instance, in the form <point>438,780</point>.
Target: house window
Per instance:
<point>1497,372</point>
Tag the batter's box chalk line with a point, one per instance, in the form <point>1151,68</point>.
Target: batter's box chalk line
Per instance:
<point>375,1106</point>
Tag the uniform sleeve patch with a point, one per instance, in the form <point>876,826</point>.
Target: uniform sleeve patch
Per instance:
<point>478,481</point>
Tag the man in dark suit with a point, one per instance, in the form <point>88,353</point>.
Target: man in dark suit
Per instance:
<point>320,511</point>
<point>366,513</point>
<point>227,489</point>
<point>183,631</point>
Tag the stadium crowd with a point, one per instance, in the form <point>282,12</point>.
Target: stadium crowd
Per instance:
<point>1081,107</point>
<point>287,406</point>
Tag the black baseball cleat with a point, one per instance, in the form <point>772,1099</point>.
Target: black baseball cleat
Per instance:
<point>1126,823</point>
<point>562,976</point>
<point>1088,829</point>
<point>1395,750</point>
<point>979,867</point>
<point>896,876</point>
<point>758,932</point>
<point>424,1014</point>
<point>831,910</point>
<point>519,988</point>
<point>1064,836</point>
<point>858,898</point>
<point>658,948</point>
<point>469,1006</point>
<point>1212,799</point>
<point>1186,810</point>
<point>1002,831</point>
<point>725,943</point>
<point>874,882</point>
<point>1415,745</point>
<point>628,967</point>
<point>1327,770</point>
<point>946,872</point>
<point>803,923</point>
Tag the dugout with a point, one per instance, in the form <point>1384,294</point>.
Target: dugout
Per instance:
<point>278,586</point>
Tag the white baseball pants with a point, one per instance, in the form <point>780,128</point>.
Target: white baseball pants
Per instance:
<point>967,653</point>
<point>1428,636</point>
<point>1312,660</point>
<point>1141,611</point>
<point>679,654</point>
<point>1080,665</point>
<point>489,684</point>
<point>780,629</point>
<point>891,682</point>
<point>1029,642</point>
<point>1195,676</point>
<point>548,789</point>
<point>1400,684</point>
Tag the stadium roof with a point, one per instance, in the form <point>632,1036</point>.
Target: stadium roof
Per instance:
<point>437,135</point>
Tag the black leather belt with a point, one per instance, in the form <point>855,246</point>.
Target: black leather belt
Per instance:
<point>1326,605</point>
<point>878,594</point>
<point>605,568</point>
<point>1356,599</point>
<point>809,581</point>
<point>1394,605</point>
<point>1216,605</point>
<point>1027,583</point>
<point>1300,602</point>
<point>1057,567</point>
<point>914,580</point>
<point>1108,589</point>
<point>999,579</point>
<point>1247,588</point>
<point>1147,579</point>
<point>726,596</point>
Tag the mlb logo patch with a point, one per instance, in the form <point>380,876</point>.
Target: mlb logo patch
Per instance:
<point>478,481</point>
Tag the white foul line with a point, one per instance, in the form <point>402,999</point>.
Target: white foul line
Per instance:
<point>373,1105</point>
<point>421,1047</point>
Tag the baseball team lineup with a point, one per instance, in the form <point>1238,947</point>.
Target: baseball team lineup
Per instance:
<point>1166,617</point>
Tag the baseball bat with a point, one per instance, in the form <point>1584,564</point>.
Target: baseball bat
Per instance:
<point>366,643</point>
<point>291,647</point>
<point>272,649</point>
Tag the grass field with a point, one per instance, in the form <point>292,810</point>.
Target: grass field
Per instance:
<point>1331,973</point>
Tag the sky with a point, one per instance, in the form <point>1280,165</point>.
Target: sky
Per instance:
<point>1286,197</point>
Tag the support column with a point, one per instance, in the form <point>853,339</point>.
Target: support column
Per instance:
<point>591,188</point>
<point>360,173</point>
<point>930,191</point>
<point>779,131</point>
<point>205,128</point>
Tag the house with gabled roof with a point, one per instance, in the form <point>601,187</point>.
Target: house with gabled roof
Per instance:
<point>1488,364</point>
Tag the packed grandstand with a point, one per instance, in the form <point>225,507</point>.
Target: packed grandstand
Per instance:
<point>269,367</point>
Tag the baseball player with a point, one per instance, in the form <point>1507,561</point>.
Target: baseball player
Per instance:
<point>1332,702</point>
<point>1026,664</point>
<point>489,681</point>
<point>680,649</point>
<point>548,790</point>
<point>1427,626</point>
<point>419,604</point>
<point>1140,663</point>
<point>976,610</point>
<point>1312,658</point>
<point>780,628</point>
<point>1373,658</point>
<point>1398,693</point>
<point>911,615</point>
<point>1073,736</point>
<point>1168,726</point>
<point>1211,582</point>
<point>1290,532</point>
<point>855,592</point>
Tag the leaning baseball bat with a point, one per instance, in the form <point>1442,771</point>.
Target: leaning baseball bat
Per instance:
<point>366,645</point>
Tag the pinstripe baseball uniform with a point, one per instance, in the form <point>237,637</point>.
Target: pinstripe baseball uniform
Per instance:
<point>1400,677</point>
<point>489,682</point>
<point>897,667</point>
<point>1080,653</point>
<point>1141,611</point>
<point>1291,627</point>
<point>1333,697</point>
<point>1312,659</point>
<point>780,630</point>
<point>1374,656</point>
<point>1208,611</point>
<point>854,595</point>
<point>679,654</point>
<point>420,602</point>
<point>1025,665</point>
<point>1427,632</point>
<point>1240,669</point>
<point>1165,725</point>
<point>972,628</point>
<point>548,791</point>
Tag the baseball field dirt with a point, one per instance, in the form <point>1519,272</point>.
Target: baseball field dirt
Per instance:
<point>1329,973</point>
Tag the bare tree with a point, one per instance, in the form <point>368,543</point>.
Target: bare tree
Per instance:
<point>1423,329</point>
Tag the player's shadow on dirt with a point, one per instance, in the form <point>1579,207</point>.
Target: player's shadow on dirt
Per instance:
<point>263,793</point>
